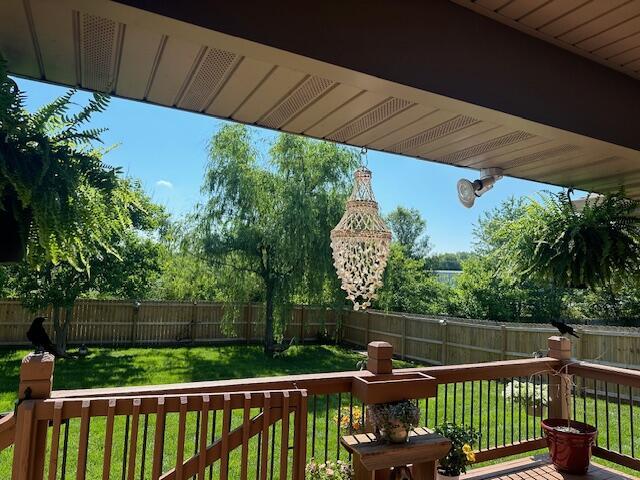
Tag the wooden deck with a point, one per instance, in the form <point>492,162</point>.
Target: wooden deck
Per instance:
<point>539,468</point>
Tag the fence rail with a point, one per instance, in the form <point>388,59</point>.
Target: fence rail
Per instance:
<point>451,341</point>
<point>427,339</point>
<point>121,323</point>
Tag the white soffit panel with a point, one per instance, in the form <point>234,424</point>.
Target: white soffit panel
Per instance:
<point>111,47</point>
<point>16,41</point>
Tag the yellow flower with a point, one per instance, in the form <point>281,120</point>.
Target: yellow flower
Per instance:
<point>471,457</point>
<point>466,448</point>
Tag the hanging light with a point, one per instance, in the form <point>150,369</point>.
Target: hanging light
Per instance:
<point>360,243</point>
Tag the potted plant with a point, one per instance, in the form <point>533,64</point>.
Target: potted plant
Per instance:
<point>328,470</point>
<point>461,453</point>
<point>394,420</point>
<point>534,396</point>
<point>569,441</point>
<point>54,188</point>
<point>569,444</point>
<point>556,242</point>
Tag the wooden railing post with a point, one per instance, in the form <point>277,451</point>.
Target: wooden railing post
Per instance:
<point>379,357</point>
<point>560,381</point>
<point>36,380</point>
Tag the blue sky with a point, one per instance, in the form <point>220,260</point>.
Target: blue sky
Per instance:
<point>166,150</point>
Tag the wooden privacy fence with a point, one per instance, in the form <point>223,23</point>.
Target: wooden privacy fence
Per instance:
<point>119,323</point>
<point>450,341</point>
<point>432,340</point>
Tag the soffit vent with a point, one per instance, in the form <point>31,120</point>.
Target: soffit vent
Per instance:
<point>484,147</point>
<point>427,136</point>
<point>208,79</point>
<point>370,119</point>
<point>99,51</point>
<point>307,92</point>
<point>538,156</point>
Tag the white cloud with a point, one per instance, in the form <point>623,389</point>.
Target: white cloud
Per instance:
<point>164,183</point>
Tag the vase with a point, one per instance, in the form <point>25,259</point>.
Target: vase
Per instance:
<point>397,433</point>
<point>570,451</point>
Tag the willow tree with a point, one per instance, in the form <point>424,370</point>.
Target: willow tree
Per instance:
<point>270,219</point>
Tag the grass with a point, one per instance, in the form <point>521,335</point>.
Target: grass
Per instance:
<point>494,416</point>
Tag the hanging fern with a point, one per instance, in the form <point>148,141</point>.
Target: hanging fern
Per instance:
<point>67,202</point>
<point>556,243</point>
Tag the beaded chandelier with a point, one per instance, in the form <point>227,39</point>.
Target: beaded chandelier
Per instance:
<point>360,244</point>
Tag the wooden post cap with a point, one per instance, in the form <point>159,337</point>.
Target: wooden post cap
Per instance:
<point>559,347</point>
<point>379,357</point>
<point>36,375</point>
<point>380,350</point>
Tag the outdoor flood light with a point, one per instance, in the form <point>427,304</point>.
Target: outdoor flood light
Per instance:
<point>468,191</point>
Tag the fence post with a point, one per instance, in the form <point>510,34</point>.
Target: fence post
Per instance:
<point>366,332</point>
<point>443,347</point>
<point>579,345</point>
<point>247,324</point>
<point>503,352</point>
<point>301,324</point>
<point>134,321</point>
<point>36,379</point>
<point>560,381</point>
<point>404,337</point>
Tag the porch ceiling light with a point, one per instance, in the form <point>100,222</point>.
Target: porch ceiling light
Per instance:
<point>360,244</point>
<point>468,191</point>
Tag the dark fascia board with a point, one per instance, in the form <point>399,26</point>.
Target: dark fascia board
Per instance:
<point>437,46</point>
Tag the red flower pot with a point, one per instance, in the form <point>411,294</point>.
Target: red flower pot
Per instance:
<point>570,452</point>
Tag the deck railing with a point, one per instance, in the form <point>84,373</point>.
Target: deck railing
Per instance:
<point>236,428</point>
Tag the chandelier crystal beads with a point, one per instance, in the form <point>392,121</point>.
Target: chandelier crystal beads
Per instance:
<point>360,244</point>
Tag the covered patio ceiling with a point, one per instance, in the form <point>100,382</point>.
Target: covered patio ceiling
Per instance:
<point>547,90</point>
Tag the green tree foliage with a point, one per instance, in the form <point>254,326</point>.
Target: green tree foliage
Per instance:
<point>483,292</point>
<point>270,220</point>
<point>130,274</point>
<point>408,228</point>
<point>553,242</point>
<point>447,260</point>
<point>486,291</point>
<point>53,182</point>
<point>408,287</point>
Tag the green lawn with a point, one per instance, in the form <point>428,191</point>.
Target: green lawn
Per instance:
<point>497,420</point>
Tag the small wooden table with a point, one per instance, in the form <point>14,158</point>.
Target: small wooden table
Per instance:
<point>372,459</point>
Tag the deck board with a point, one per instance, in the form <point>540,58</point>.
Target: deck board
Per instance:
<point>539,468</point>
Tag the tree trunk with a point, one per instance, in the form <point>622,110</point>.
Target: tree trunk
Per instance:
<point>268,326</point>
<point>61,327</point>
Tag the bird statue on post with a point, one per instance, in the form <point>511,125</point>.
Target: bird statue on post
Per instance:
<point>38,336</point>
<point>563,328</point>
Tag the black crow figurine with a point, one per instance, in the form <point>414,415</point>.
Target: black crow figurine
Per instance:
<point>41,341</point>
<point>563,328</point>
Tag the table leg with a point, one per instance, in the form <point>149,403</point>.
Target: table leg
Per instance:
<point>361,473</point>
<point>424,471</point>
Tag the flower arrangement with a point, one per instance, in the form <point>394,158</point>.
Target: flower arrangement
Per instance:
<point>528,392</point>
<point>328,470</point>
<point>394,420</point>
<point>349,419</point>
<point>461,453</point>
